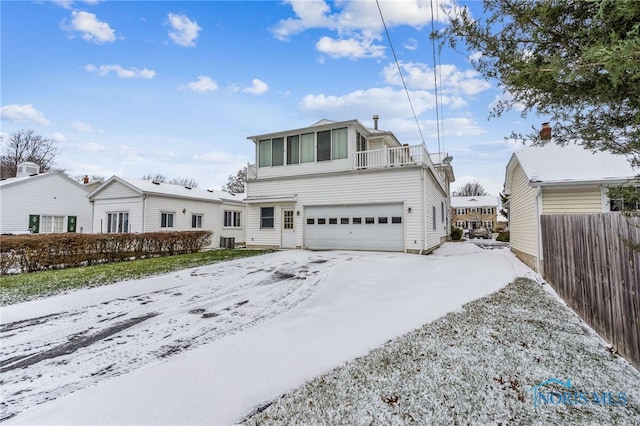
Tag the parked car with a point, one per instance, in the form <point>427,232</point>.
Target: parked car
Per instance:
<point>480,233</point>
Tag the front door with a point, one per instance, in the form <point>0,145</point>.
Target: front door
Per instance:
<point>288,229</point>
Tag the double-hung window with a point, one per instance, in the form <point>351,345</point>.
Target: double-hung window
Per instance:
<point>167,219</point>
<point>293,149</point>
<point>51,224</point>
<point>231,219</point>
<point>266,217</point>
<point>307,148</point>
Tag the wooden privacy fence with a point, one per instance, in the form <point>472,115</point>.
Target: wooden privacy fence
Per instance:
<point>589,265</point>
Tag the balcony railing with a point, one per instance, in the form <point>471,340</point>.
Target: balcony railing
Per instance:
<point>390,157</point>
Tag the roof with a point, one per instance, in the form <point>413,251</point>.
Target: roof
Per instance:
<point>166,189</point>
<point>571,164</point>
<point>324,123</point>
<point>34,178</point>
<point>476,201</point>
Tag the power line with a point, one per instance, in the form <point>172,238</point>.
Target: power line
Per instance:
<point>435,77</point>
<point>400,71</point>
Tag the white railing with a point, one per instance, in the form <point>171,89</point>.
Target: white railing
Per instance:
<point>252,171</point>
<point>390,157</point>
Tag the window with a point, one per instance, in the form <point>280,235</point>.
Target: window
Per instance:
<point>460,211</point>
<point>311,221</point>
<point>293,149</point>
<point>356,220</point>
<point>231,219</point>
<point>266,217</point>
<point>369,220</point>
<point>487,224</point>
<point>487,210</point>
<point>322,221</point>
<point>333,221</point>
<point>474,210</point>
<point>396,219</point>
<point>196,221</point>
<point>344,221</point>
<point>442,211</point>
<point>166,220</point>
<point>339,143</point>
<point>383,220</point>
<point>460,224</point>
<point>324,146</point>
<point>118,222</point>
<point>307,148</point>
<point>620,203</point>
<point>288,219</point>
<point>433,211</point>
<point>277,151</point>
<point>51,224</point>
<point>264,153</point>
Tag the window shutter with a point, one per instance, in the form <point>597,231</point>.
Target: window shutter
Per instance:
<point>71,223</point>
<point>34,223</point>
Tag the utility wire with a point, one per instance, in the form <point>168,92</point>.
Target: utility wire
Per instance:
<point>400,72</point>
<point>435,78</point>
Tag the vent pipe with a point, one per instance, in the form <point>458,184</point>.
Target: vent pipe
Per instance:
<point>375,121</point>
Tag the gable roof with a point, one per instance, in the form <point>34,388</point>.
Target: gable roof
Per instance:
<point>475,201</point>
<point>555,165</point>
<point>142,186</point>
<point>326,123</point>
<point>39,177</point>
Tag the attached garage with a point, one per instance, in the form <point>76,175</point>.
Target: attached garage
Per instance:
<point>354,227</point>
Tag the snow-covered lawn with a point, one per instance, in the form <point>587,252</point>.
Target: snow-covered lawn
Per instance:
<point>212,344</point>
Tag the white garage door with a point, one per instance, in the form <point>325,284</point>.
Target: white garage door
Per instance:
<point>357,227</point>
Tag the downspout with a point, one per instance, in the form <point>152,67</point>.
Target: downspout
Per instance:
<point>423,210</point>
<point>539,229</point>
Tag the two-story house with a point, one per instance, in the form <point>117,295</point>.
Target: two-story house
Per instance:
<point>341,185</point>
<point>475,212</point>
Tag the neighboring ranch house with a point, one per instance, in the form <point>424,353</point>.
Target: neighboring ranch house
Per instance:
<point>557,180</point>
<point>134,205</point>
<point>475,212</point>
<point>44,203</point>
<point>341,185</point>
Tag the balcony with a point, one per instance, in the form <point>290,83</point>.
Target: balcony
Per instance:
<point>390,157</point>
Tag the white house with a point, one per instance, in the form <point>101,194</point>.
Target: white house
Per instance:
<point>557,180</point>
<point>341,185</point>
<point>43,203</point>
<point>135,205</point>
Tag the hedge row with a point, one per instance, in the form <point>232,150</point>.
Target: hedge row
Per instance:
<point>29,253</point>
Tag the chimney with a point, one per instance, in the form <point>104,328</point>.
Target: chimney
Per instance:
<point>545,132</point>
<point>375,121</point>
<point>85,179</point>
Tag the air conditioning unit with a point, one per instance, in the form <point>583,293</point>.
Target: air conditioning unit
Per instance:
<point>227,242</point>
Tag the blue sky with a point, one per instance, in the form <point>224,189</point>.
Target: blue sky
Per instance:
<point>137,87</point>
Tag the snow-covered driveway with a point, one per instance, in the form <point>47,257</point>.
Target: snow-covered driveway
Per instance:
<point>210,344</point>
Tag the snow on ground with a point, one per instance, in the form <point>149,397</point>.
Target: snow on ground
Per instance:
<point>210,344</point>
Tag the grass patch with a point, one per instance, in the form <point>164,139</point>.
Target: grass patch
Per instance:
<point>476,366</point>
<point>29,286</point>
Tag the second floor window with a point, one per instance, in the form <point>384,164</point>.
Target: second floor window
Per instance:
<point>303,148</point>
<point>166,220</point>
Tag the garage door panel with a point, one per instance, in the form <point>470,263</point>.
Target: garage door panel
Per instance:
<point>358,227</point>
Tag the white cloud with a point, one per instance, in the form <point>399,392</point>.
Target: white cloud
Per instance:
<point>59,137</point>
<point>258,87</point>
<point>451,80</point>
<point>184,31</point>
<point>350,48</point>
<point>23,114</point>
<point>410,44</point>
<point>221,157</point>
<point>357,23</point>
<point>121,71</point>
<point>81,127</point>
<point>507,97</point>
<point>204,84</point>
<point>90,28</point>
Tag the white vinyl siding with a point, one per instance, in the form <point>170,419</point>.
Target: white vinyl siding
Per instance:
<point>401,185</point>
<point>523,224</point>
<point>571,200</point>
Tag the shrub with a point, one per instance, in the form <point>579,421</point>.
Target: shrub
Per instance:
<point>456,233</point>
<point>503,236</point>
<point>28,253</point>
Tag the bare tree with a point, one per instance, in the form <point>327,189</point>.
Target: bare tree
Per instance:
<point>235,184</point>
<point>26,145</point>
<point>155,177</point>
<point>470,189</point>
<point>190,182</point>
<point>92,178</point>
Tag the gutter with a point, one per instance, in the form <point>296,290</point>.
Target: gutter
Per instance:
<point>615,181</point>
